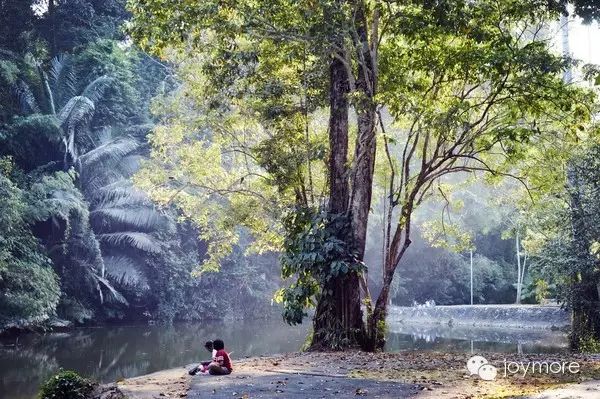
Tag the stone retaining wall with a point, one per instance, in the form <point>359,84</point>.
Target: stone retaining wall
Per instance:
<point>508,316</point>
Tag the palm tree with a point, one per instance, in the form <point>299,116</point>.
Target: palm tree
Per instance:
<point>124,219</point>
<point>108,227</point>
<point>73,112</point>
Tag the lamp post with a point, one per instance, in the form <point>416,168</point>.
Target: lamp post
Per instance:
<point>471,253</point>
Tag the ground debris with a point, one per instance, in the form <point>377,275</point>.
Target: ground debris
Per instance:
<point>426,375</point>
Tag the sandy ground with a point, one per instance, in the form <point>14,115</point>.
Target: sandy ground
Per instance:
<point>174,383</point>
<point>424,375</point>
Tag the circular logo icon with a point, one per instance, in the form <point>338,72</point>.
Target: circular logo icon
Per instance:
<point>474,363</point>
<point>487,372</point>
<point>480,366</point>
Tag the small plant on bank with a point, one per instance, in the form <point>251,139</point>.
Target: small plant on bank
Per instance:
<point>66,385</point>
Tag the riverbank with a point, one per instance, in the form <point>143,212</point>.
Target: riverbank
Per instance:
<point>340,374</point>
<point>14,329</point>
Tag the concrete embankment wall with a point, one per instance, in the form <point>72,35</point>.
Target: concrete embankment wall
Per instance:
<point>508,316</point>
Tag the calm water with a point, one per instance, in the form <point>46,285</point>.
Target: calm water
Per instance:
<point>111,353</point>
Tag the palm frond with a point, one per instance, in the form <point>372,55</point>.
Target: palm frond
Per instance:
<point>95,181</point>
<point>113,294</point>
<point>62,78</point>
<point>102,135</point>
<point>130,164</point>
<point>95,89</point>
<point>142,218</point>
<point>77,110</point>
<point>125,271</point>
<point>27,100</point>
<point>109,154</point>
<point>128,197</point>
<point>57,66</point>
<point>139,131</point>
<point>121,188</point>
<point>7,54</point>
<point>58,205</point>
<point>142,241</point>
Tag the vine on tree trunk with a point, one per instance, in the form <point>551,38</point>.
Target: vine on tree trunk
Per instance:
<point>326,270</point>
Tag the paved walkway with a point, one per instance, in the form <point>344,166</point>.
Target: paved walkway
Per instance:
<point>267,385</point>
<point>585,390</point>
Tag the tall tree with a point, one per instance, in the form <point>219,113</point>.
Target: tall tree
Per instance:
<point>337,33</point>
<point>489,87</point>
<point>464,81</point>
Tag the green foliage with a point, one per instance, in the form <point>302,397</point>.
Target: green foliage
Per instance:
<point>241,138</point>
<point>121,104</point>
<point>586,9</point>
<point>32,140</point>
<point>78,233</point>
<point>29,288</point>
<point>541,290</point>
<point>569,257</point>
<point>316,250</point>
<point>16,20</point>
<point>75,23</point>
<point>66,385</point>
<point>437,274</point>
<point>67,120</point>
<point>588,343</point>
<point>8,78</point>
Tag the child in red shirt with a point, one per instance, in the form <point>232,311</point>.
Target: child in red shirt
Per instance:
<point>221,364</point>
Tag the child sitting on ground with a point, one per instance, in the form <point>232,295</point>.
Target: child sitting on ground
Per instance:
<point>221,364</point>
<point>203,366</point>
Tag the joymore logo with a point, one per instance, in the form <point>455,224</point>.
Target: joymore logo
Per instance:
<point>480,366</point>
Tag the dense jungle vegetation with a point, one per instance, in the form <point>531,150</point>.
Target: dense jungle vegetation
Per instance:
<point>174,161</point>
<point>78,240</point>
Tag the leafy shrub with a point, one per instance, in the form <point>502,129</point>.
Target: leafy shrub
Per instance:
<point>29,289</point>
<point>66,385</point>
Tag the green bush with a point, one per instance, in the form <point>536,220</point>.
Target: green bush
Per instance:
<point>29,288</point>
<point>66,385</point>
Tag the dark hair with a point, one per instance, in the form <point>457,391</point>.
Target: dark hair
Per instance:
<point>218,344</point>
<point>208,345</point>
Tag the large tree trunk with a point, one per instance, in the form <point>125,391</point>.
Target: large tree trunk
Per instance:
<point>376,321</point>
<point>364,155</point>
<point>585,329</point>
<point>337,323</point>
<point>338,137</point>
<point>338,319</point>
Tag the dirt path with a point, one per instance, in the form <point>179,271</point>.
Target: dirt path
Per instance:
<point>270,385</point>
<point>424,375</point>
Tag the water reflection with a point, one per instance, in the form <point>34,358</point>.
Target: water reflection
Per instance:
<point>111,353</point>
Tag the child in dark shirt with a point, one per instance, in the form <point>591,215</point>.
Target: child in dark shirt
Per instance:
<point>221,364</point>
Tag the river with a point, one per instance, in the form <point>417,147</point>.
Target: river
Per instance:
<point>111,353</point>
